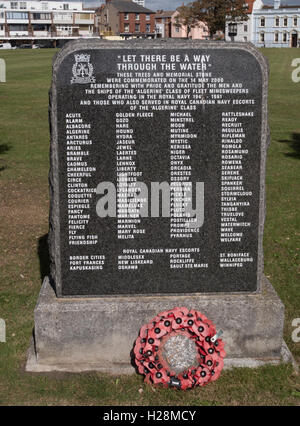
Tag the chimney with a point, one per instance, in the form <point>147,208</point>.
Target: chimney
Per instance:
<point>276,4</point>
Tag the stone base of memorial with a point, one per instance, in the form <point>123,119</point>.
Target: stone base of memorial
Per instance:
<point>99,333</point>
<point>187,115</point>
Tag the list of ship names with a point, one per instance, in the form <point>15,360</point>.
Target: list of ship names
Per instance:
<point>180,126</point>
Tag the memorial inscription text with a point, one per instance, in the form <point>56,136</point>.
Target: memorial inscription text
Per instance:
<point>187,118</point>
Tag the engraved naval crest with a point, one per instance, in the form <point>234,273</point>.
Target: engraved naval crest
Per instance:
<point>82,70</point>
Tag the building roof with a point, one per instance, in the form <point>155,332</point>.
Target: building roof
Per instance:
<point>269,4</point>
<point>128,6</point>
<point>250,5</point>
<point>164,13</point>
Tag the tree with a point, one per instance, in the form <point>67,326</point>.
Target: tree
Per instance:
<point>186,18</point>
<point>214,13</point>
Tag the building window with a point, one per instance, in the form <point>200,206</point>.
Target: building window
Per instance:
<point>23,5</point>
<point>295,21</point>
<point>285,22</point>
<point>14,5</point>
<point>39,27</point>
<point>16,27</point>
<point>262,22</point>
<point>245,38</point>
<point>262,37</point>
<point>277,22</point>
<point>44,6</point>
<point>126,28</point>
<point>148,28</point>
<point>83,16</point>
<point>245,28</point>
<point>62,29</point>
<point>137,16</point>
<point>177,29</point>
<point>17,15</point>
<point>66,6</point>
<point>62,16</point>
<point>126,16</point>
<point>41,16</point>
<point>148,17</point>
<point>284,37</point>
<point>276,37</point>
<point>84,28</point>
<point>137,28</point>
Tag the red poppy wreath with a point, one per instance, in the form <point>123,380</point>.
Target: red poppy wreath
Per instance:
<point>179,321</point>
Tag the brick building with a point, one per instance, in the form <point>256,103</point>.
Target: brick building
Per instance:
<point>125,18</point>
<point>163,23</point>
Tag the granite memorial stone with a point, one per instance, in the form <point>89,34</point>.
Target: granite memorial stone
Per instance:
<point>157,179</point>
<point>177,116</point>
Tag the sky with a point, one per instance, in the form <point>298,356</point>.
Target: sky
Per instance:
<point>150,4</point>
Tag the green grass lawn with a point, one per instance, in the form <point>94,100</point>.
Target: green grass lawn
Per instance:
<point>24,164</point>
